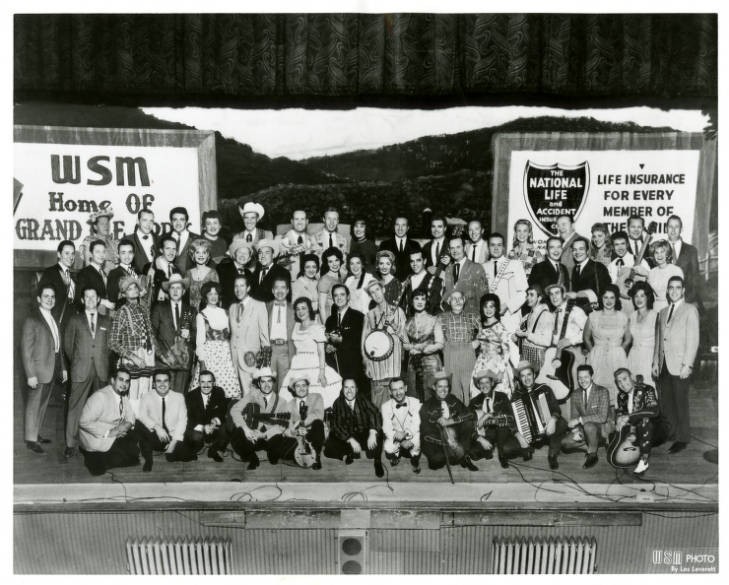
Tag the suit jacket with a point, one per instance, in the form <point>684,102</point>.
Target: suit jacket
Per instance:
<point>37,348</point>
<point>544,274</point>
<point>645,404</point>
<point>227,273</point>
<point>349,354</point>
<point>401,419</point>
<point>157,278</point>
<point>290,322</point>
<point>99,414</point>
<point>432,285</point>
<point>289,241</point>
<point>431,411</point>
<point>597,408</point>
<point>140,256</point>
<point>89,276</point>
<point>402,259</point>
<point>315,410</point>
<point>183,260</point>
<point>346,422</point>
<point>567,258</point>
<point>510,287</point>
<point>482,251</point>
<point>321,241</point>
<point>261,291</point>
<point>500,406</point>
<point>112,283</point>
<point>248,329</point>
<point>85,350</point>
<point>197,414</point>
<point>677,342</point>
<point>163,326</point>
<point>594,276</point>
<point>688,261</point>
<point>428,252</point>
<point>471,282</point>
<point>64,308</point>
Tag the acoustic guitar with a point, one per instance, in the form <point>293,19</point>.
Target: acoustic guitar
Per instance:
<point>304,454</point>
<point>623,452</point>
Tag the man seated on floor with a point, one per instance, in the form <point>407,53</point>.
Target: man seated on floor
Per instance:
<point>306,420</point>
<point>495,425</point>
<point>401,425</point>
<point>162,423</point>
<point>257,417</point>
<point>206,406</point>
<point>638,408</point>
<point>105,427</point>
<point>355,426</point>
<point>446,427</point>
<point>590,405</point>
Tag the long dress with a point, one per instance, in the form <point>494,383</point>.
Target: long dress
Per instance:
<point>392,291</point>
<point>196,285</point>
<point>607,354</point>
<point>359,298</point>
<point>459,331</point>
<point>640,357</point>
<point>306,363</point>
<point>658,279</point>
<point>496,350</point>
<point>213,341</point>
<point>423,328</point>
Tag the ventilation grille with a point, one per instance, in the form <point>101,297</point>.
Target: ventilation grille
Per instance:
<point>520,556</point>
<point>179,557</point>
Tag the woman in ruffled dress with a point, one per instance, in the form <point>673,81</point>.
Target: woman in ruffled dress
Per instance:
<point>523,247</point>
<point>357,283</point>
<point>200,273</point>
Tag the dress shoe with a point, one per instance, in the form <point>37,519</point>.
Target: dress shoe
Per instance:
<point>43,440</point>
<point>677,447</point>
<point>253,463</point>
<point>591,460</point>
<point>489,454</point>
<point>35,447</point>
<point>415,462</point>
<point>526,454</point>
<point>504,463</point>
<point>69,452</point>
<point>553,464</point>
<point>147,465</point>
<point>317,465</point>
<point>348,459</point>
<point>468,464</point>
<point>379,470</point>
<point>170,457</point>
<point>394,460</point>
<point>215,455</point>
<point>641,467</point>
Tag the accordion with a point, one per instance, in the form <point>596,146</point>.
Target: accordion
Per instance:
<point>531,413</point>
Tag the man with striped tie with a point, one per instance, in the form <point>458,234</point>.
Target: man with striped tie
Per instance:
<point>63,281</point>
<point>296,242</point>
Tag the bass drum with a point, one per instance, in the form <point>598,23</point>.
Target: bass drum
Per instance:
<point>378,345</point>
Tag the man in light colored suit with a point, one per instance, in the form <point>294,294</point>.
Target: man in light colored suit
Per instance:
<point>465,276</point>
<point>677,341</point>
<point>329,237</point>
<point>281,322</point>
<point>590,409</point>
<point>85,342</point>
<point>105,427</point>
<point>248,331</point>
<point>40,348</point>
<point>296,242</point>
<point>506,279</point>
<point>477,249</point>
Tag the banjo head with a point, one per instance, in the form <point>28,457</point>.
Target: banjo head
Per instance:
<point>378,345</point>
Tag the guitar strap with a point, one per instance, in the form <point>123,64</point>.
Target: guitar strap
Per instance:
<point>536,321</point>
<point>563,330</point>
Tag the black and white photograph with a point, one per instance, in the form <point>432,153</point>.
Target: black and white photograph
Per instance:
<point>364,291</point>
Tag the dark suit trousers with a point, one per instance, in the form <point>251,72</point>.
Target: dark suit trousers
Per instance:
<point>124,452</point>
<point>247,449</point>
<point>501,437</point>
<point>217,440</point>
<point>335,448</point>
<point>75,401</point>
<point>674,404</point>
<point>281,447</point>
<point>36,403</point>
<point>592,434</point>
<point>436,455</point>
<point>149,442</point>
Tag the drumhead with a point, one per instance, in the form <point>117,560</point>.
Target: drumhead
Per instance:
<point>378,345</point>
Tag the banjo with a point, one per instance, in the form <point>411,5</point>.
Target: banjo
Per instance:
<point>379,344</point>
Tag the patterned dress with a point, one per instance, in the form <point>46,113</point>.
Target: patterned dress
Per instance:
<point>392,291</point>
<point>459,357</point>
<point>423,328</point>
<point>197,283</point>
<point>607,354</point>
<point>640,357</point>
<point>214,352</point>
<point>603,254</point>
<point>527,254</point>
<point>496,346</point>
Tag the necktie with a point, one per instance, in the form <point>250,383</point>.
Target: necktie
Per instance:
<point>400,244</point>
<point>241,308</point>
<point>169,270</point>
<point>130,270</point>
<point>300,240</point>
<point>331,243</point>
<point>619,263</point>
<point>164,412</point>
<point>437,253</point>
<point>578,271</point>
<point>488,405</point>
<point>673,252</point>
<point>69,283</point>
<point>670,314</point>
<point>456,272</point>
<point>278,315</point>
<point>636,244</point>
<point>264,271</point>
<point>265,403</point>
<point>339,320</point>
<point>473,252</point>
<point>121,407</point>
<point>496,267</point>
<point>177,316</point>
<point>249,238</point>
<point>584,398</point>
<point>302,410</point>
<point>92,323</point>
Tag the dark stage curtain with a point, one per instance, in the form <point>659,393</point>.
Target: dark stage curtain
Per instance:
<point>242,57</point>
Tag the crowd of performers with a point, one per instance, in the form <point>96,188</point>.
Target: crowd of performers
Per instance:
<point>460,349</point>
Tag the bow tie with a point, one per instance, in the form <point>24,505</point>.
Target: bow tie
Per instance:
<point>280,303</point>
<point>401,405</point>
<point>145,237</point>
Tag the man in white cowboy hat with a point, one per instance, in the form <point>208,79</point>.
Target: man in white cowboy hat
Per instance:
<point>240,254</point>
<point>267,271</point>
<point>173,324</point>
<point>296,242</point>
<point>251,213</point>
<point>257,417</point>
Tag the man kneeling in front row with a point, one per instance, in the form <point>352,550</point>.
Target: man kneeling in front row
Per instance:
<point>401,425</point>
<point>105,428</point>
<point>355,426</point>
<point>206,406</point>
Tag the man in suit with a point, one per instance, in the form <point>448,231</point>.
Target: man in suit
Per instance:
<point>401,425</point>
<point>206,408</point>
<point>550,270</point>
<point>465,276</point>
<point>640,240</point>
<point>476,248</point>
<point>180,219</point>
<point>329,237</point>
<point>281,321</point>
<point>506,279</point>
<point>251,213</point>
<point>267,271</point>
<point>677,341</point>
<point>85,342</point>
<point>437,247</point>
<point>624,259</point>
<point>105,427</point>
<point>125,268</point>
<point>40,349</point>
<point>421,280</point>
<point>590,408</point>
<point>59,276</point>
<point>586,274</point>
<point>174,320</point>
<point>144,239</point>
<point>566,231</point>
<point>344,333</point>
<point>94,275</point>
<point>163,267</point>
<point>401,246</point>
<point>248,331</point>
<point>240,254</point>
<point>686,257</point>
<point>296,242</point>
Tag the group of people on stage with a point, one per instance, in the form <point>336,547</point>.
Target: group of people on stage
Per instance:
<point>307,343</point>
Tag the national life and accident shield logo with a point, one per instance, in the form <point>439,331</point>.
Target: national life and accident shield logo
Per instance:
<point>554,190</point>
